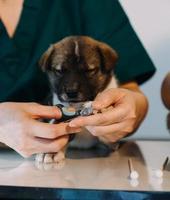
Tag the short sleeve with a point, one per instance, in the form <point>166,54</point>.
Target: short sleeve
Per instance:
<point>106,21</point>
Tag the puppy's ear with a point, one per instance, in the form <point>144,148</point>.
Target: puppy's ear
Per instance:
<point>108,57</point>
<point>45,60</point>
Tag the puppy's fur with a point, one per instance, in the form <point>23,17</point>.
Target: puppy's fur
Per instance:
<point>78,68</point>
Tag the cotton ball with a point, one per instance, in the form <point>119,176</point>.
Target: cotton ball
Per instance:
<point>134,175</point>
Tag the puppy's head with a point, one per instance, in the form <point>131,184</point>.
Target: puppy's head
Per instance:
<point>78,68</point>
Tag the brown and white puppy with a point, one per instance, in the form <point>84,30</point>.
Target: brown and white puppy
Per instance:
<point>78,68</point>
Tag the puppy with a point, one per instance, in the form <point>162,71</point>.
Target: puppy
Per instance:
<point>78,68</point>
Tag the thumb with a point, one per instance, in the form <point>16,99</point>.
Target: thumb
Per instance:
<point>107,98</point>
<point>43,111</point>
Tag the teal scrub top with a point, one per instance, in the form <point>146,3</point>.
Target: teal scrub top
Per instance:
<point>44,22</point>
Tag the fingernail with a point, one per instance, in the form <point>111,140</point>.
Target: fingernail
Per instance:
<point>57,111</point>
<point>78,129</point>
<point>74,130</point>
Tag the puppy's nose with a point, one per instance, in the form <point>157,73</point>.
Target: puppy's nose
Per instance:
<point>71,93</point>
<point>71,90</point>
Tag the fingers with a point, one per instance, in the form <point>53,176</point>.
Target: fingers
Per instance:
<point>125,127</point>
<point>107,98</point>
<point>41,111</point>
<point>50,145</point>
<point>112,133</point>
<point>114,115</point>
<point>51,131</point>
<point>41,145</point>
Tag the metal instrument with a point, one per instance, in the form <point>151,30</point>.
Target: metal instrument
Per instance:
<point>70,112</point>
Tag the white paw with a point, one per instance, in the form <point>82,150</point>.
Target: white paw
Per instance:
<point>50,157</point>
<point>58,157</point>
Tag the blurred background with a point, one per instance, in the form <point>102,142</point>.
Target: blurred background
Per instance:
<point>151,21</point>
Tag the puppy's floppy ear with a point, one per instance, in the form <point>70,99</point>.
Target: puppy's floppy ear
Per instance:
<point>108,57</point>
<point>45,60</point>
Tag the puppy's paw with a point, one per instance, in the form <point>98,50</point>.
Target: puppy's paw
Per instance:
<point>50,157</point>
<point>59,157</point>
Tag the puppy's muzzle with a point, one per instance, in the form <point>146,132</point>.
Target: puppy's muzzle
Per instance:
<point>71,93</point>
<point>71,90</point>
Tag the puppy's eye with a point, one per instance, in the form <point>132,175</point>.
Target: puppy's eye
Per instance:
<point>58,71</point>
<point>92,71</point>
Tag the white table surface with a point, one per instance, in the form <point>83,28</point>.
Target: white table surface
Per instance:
<point>91,170</point>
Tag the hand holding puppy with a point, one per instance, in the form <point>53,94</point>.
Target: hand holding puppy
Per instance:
<point>20,129</point>
<point>122,111</point>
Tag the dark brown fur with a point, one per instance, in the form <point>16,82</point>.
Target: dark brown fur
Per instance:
<point>78,67</point>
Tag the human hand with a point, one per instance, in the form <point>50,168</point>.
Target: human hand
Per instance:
<point>122,110</point>
<point>20,129</point>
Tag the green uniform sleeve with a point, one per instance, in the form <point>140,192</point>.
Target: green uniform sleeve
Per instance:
<point>107,22</point>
